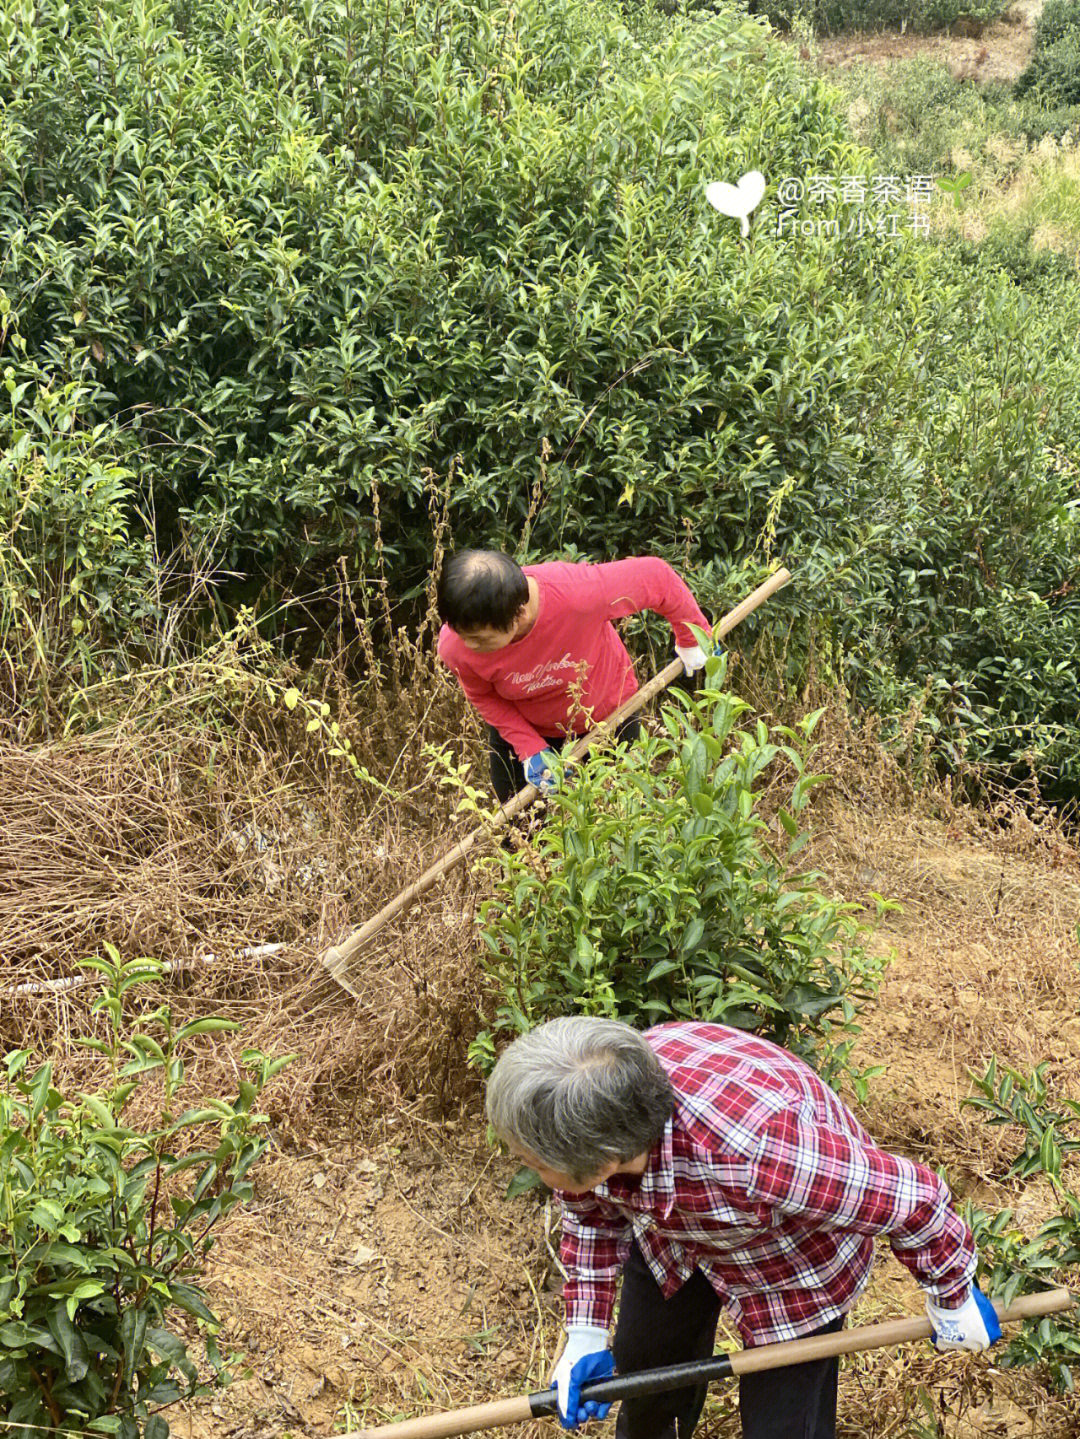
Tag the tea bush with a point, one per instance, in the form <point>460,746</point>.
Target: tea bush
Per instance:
<point>107,1222</point>
<point>1059,122</point>
<point>302,267</point>
<point>658,890</point>
<point>1012,252</point>
<point>332,284</point>
<point>73,571</point>
<point>1056,20</point>
<point>971,646</point>
<point>1048,1128</point>
<point>1053,74</point>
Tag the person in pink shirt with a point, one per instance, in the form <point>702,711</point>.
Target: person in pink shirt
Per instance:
<point>537,655</point>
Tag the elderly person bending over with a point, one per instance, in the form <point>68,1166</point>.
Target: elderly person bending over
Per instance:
<point>716,1170</point>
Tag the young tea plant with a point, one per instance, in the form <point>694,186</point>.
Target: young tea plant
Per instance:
<point>1014,1262</point>
<point>105,1222</point>
<point>1049,1125</point>
<point>658,889</point>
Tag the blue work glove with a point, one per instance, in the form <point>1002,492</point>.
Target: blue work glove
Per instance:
<point>973,1326</point>
<point>586,1356</point>
<point>694,657</point>
<point>538,771</point>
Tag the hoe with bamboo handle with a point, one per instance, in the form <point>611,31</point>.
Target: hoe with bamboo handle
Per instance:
<point>336,958</point>
<point>699,1371</point>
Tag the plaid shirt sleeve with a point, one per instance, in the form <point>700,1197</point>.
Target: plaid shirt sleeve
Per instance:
<point>816,1174</point>
<point>594,1246</point>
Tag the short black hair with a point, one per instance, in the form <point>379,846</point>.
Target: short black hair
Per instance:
<point>481,588</point>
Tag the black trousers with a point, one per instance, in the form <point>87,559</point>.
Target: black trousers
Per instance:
<point>797,1402</point>
<point>507,775</point>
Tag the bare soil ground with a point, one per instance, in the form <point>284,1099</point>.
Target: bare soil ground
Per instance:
<point>999,51</point>
<point>372,1281</point>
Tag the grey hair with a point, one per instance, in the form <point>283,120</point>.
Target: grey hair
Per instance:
<point>579,1092</point>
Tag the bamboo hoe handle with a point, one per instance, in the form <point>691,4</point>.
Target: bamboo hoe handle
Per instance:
<point>495,1415</point>
<point>678,1376</point>
<point>337,957</point>
<point>880,1336</point>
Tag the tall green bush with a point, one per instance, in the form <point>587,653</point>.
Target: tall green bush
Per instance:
<point>304,266</point>
<point>979,609</point>
<point>107,1221</point>
<point>660,888</point>
<point>309,255</point>
<point>1056,20</point>
<point>1053,74</point>
<point>73,569</point>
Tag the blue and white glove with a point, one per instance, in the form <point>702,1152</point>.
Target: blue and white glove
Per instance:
<point>694,657</point>
<point>973,1326</point>
<point>586,1356</point>
<point>538,771</point>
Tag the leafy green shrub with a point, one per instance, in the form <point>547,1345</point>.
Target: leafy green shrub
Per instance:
<point>337,285</point>
<point>1012,252</point>
<point>1026,1101</point>
<point>1057,19</point>
<point>107,1223</point>
<point>950,633</point>
<point>291,295</point>
<point>658,890</point>
<point>1053,73</point>
<point>1017,1263</point>
<point>1056,122</point>
<point>73,574</point>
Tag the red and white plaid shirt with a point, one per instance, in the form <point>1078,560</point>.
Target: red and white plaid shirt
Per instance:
<point>765,1181</point>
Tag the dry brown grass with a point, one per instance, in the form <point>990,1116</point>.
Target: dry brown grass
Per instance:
<point>206,819</point>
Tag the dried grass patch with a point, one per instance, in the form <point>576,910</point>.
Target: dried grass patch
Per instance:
<point>218,824</point>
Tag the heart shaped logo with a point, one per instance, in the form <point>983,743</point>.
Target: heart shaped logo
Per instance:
<point>739,200</point>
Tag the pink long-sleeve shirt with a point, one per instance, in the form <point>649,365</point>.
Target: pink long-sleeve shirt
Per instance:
<point>571,669</point>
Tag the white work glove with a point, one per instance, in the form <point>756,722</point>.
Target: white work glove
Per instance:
<point>973,1326</point>
<point>693,658</point>
<point>586,1356</point>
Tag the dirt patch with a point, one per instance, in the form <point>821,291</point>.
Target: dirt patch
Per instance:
<point>985,963</point>
<point>1001,51</point>
<point>380,1284</point>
